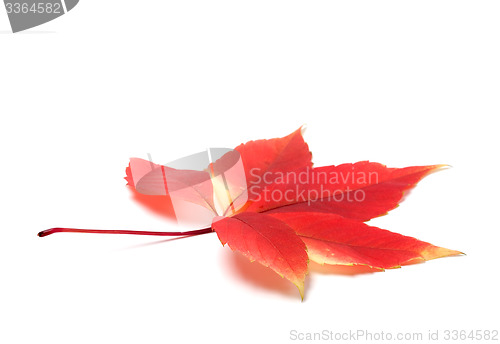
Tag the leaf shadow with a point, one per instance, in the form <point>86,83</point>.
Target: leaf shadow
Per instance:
<point>151,243</point>
<point>258,276</point>
<point>157,204</point>
<point>343,270</point>
<point>263,278</point>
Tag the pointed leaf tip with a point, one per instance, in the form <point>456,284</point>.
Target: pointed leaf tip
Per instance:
<point>434,252</point>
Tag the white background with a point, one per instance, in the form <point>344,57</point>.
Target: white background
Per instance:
<point>398,82</point>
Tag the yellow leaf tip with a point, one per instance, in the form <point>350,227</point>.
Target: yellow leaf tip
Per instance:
<point>437,168</point>
<point>434,252</point>
<point>300,286</point>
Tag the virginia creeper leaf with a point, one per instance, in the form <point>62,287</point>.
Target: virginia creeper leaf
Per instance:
<point>280,211</point>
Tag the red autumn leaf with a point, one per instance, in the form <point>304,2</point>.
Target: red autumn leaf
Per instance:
<point>279,210</point>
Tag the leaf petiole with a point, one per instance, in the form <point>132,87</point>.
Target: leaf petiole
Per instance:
<point>111,231</point>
